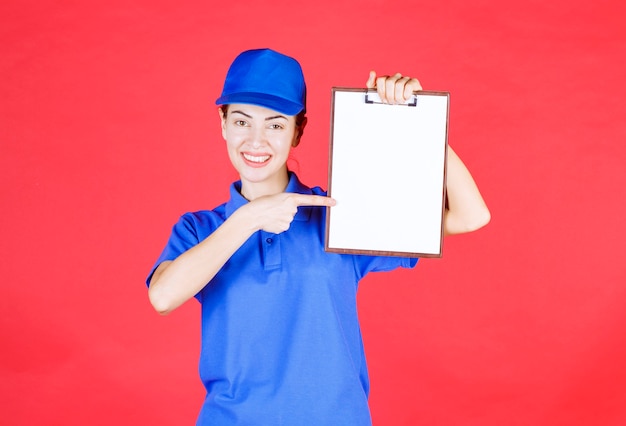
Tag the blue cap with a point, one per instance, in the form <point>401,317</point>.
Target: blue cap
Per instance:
<point>266,78</point>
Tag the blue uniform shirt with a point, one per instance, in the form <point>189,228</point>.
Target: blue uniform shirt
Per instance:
<point>281,343</point>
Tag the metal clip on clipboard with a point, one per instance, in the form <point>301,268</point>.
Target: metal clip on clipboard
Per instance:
<point>373,98</point>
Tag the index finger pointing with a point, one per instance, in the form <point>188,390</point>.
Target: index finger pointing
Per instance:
<point>313,200</point>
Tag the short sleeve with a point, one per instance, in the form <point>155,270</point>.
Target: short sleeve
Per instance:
<point>190,229</point>
<point>365,264</point>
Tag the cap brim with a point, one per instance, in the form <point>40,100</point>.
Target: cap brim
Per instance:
<point>275,103</point>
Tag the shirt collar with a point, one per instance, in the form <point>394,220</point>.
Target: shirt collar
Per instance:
<point>294,185</point>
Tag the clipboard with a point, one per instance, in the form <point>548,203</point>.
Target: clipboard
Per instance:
<point>387,171</point>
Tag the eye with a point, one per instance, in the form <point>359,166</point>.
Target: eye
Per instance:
<point>241,123</point>
<point>276,126</point>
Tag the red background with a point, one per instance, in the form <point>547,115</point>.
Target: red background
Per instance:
<point>108,132</point>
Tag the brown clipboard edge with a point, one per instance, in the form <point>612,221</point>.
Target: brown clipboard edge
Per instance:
<point>330,171</point>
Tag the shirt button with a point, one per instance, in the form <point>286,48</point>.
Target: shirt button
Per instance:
<point>268,240</point>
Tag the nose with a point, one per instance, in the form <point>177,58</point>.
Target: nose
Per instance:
<point>257,138</point>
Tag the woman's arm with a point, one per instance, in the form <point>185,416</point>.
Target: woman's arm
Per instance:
<point>175,282</point>
<point>466,210</point>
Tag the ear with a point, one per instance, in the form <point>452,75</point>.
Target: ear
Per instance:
<point>223,121</point>
<point>299,133</point>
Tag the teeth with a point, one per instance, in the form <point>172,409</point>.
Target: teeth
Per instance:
<point>256,159</point>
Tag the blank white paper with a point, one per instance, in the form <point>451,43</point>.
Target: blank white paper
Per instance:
<point>388,174</point>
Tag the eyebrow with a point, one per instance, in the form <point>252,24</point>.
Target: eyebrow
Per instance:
<point>266,118</point>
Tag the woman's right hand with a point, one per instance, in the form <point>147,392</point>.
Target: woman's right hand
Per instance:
<point>274,213</point>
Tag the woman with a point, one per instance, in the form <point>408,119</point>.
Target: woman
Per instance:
<point>281,343</point>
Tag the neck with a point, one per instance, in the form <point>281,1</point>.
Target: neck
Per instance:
<point>254,190</point>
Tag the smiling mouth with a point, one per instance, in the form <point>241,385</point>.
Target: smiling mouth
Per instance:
<point>256,158</point>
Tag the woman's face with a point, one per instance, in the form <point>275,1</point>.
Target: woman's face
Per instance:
<point>259,140</point>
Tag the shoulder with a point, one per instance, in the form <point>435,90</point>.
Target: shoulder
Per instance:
<point>316,190</point>
<point>201,223</point>
<point>202,216</point>
<point>296,185</point>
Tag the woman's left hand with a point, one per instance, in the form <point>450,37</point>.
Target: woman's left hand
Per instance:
<point>394,89</point>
